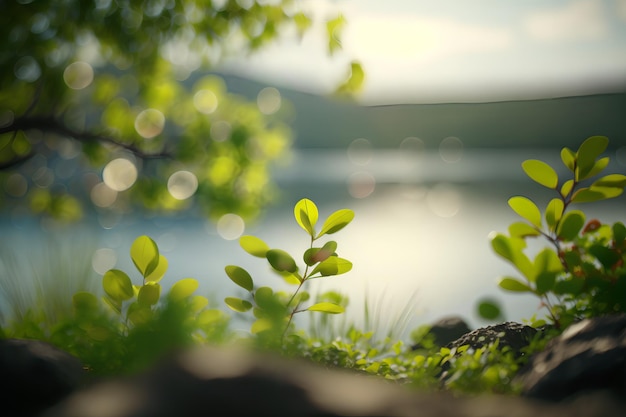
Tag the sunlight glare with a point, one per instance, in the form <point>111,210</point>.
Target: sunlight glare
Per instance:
<point>205,101</point>
<point>103,259</point>
<point>451,149</point>
<point>269,100</point>
<point>360,151</point>
<point>120,174</point>
<point>78,75</point>
<point>230,226</point>
<point>361,184</point>
<point>103,196</point>
<point>444,200</point>
<point>149,123</point>
<point>182,185</point>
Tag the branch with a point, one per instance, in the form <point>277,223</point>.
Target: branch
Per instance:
<point>52,125</point>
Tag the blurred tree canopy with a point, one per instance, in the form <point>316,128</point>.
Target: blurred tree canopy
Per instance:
<point>109,102</point>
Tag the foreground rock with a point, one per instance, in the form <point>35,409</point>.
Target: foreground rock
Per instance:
<point>511,334</point>
<point>215,382</point>
<point>446,330</point>
<point>35,375</point>
<point>589,355</point>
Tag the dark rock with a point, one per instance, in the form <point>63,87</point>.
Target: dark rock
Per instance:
<point>589,355</point>
<point>35,375</point>
<point>446,330</point>
<point>208,382</point>
<point>511,334</point>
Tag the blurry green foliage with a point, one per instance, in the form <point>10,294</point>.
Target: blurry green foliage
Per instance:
<point>583,273</point>
<point>274,310</point>
<point>85,83</point>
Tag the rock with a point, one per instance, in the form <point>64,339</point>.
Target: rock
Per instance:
<point>35,375</point>
<point>589,355</point>
<point>207,381</point>
<point>511,334</point>
<point>446,330</point>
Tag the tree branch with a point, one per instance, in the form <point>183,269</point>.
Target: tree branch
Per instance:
<point>53,125</point>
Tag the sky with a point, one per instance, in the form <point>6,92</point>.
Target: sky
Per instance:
<point>424,51</point>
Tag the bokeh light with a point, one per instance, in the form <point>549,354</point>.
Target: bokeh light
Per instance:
<point>361,184</point>
<point>269,100</point>
<point>182,185</point>
<point>444,200</point>
<point>360,151</point>
<point>230,226</point>
<point>149,123</point>
<point>103,259</point>
<point>27,69</point>
<point>220,131</point>
<point>16,185</point>
<point>102,196</point>
<point>78,75</point>
<point>120,174</point>
<point>451,149</point>
<point>205,101</point>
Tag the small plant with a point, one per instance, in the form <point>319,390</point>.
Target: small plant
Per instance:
<point>274,310</point>
<point>582,273</point>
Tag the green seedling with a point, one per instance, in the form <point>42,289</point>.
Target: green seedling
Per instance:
<point>581,273</point>
<point>274,310</point>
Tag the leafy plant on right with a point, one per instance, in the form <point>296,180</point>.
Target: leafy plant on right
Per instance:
<point>582,273</point>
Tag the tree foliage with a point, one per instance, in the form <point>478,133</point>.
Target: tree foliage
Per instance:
<point>109,102</point>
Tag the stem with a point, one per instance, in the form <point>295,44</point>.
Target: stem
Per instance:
<point>295,309</point>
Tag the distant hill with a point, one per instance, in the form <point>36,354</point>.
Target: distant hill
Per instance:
<point>323,122</point>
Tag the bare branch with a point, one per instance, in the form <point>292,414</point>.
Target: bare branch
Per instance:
<point>53,125</point>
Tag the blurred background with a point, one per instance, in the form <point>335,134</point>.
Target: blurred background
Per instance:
<point>426,150</point>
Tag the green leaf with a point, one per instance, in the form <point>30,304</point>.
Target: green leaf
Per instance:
<point>332,266</point>
<point>610,181</point>
<point>513,284</point>
<point>183,289</point>
<point>281,261</point>
<point>526,209</point>
<point>237,304</point>
<point>159,272</point>
<point>554,212</point>
<point>336,221</point>
<point>254,246</point>
<point>314,255</point>
<point>333,29</point>
<point>240,277</point>
<point>545,282</point>
<point>521,229</point>
<point>541,173</point>
<point>267,300</point>
<point>139,314</point>
<point>547,260</point>
<point>306,214</point>
<point>149,295</point>
<point>511,250</point>
<point>117,285</point>
<point>573,286</point>
<point>84,302</point>
<point>619,232</point>
<point>566,188</point>
<point>489,310</point>
<point>261,325</point>
<point>607,256</point>
<point>593,193</point>
<point>570,225</point>
<point>569,158</point>
<point>587,154</point>
<point>145,255</point>
<point>326,307</point>
<point>598,167</point>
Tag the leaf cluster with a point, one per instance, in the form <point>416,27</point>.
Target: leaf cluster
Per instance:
<point>274,310</point>
<point>581,274</point>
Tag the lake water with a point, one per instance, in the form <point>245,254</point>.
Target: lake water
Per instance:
<point>419,237</point>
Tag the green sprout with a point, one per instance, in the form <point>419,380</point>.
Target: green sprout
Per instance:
<point>582,273</point>
<point>274,310</point>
